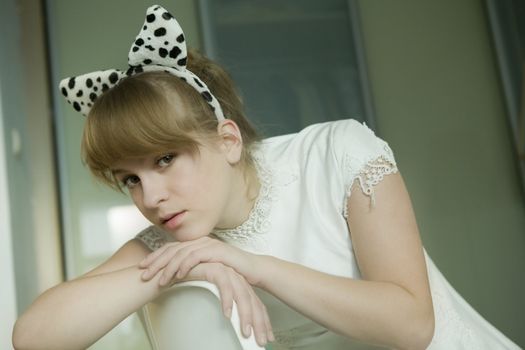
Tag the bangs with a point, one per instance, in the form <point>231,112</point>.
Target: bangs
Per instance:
<point>134,119</point>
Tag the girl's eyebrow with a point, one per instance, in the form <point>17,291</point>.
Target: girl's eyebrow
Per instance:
<point>118,171</point>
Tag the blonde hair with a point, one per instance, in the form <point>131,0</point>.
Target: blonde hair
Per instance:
<point>152,112</point>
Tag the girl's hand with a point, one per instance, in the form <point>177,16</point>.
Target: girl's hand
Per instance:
<point>233,286</point>
<point>176,259</point>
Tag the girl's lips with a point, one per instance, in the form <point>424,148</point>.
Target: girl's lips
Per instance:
<point>175,221</point>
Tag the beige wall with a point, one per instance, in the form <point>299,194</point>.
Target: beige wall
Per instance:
<point>44,196</point>
<point>438,101</point>
<point>7,292</point>
<point>29,152</point>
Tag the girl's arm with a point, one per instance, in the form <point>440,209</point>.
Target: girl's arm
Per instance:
<point>75,314</point>
<point>390,306</point>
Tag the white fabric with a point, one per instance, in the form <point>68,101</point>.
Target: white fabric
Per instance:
<point>300,216</point>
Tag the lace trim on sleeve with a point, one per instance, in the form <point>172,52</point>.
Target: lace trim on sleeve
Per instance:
<point>152,238</point>
<point>369,176</point>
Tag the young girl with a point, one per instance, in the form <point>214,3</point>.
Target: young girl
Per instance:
<point>309,240</point>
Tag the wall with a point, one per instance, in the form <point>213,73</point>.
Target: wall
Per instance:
<point>17,162</point>
<point>40,146</point>
<point>7,292</point>
<point>30,168</point>
<point>439,105</point>
<point>29,236</point>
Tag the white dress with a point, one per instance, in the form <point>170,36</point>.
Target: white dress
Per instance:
<point>300,216</point>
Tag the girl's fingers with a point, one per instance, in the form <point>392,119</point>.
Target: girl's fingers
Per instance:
<point>158,260</point>
<point>200,251</point>
<point>258,322</point>
<point>234,287</point>
<point>191,260</point>
<point>168,273</point>
<point>252,311</point>
<point>152,256</point>
<point>226,293</point>
<point>189,257</point>
<point>159,263</point>
<point>244,306</point>
<point>148,260</point>
<point>170,256</point>
<point>269,330</point>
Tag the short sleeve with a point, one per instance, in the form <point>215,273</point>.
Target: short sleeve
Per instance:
<point>362,157</point>
<point>153,237</point>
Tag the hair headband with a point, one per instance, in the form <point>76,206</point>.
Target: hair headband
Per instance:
<point>160,46</point>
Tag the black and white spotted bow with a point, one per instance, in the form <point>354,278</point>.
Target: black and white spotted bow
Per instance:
<point>160,46</point>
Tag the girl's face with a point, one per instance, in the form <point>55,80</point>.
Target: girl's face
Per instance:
<point>185,194</point>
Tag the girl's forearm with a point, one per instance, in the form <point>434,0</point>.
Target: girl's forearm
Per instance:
<point>379,313</point>
<point>74,314</point>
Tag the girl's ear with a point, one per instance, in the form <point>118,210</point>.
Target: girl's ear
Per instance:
<point>230,140</point>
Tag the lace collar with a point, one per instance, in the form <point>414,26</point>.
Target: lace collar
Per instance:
<point>252,230</point>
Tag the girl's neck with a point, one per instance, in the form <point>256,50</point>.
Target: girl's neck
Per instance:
<point>244,193</point>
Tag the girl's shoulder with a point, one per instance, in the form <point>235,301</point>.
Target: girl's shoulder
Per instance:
<point>333,156</point>
<point>153,237</point>
<point>337,139</point>
<point>344,125</point>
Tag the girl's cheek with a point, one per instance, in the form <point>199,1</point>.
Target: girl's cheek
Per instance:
<point>136,198</point>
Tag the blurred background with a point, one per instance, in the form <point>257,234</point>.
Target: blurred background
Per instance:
<point>440,81</point>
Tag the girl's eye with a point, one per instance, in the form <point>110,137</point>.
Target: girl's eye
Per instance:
<point>165,160</point>
<point>130,181</point>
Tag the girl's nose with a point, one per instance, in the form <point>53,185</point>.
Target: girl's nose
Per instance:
<point>154,192</point>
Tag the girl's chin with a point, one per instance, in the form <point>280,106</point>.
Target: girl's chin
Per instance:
<point>185,235</point>
<point>188,229</point>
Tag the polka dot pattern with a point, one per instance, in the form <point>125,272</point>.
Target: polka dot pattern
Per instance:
<point>159,46</point>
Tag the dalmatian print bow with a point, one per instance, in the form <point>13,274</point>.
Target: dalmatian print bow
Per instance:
<point>160,46</point>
